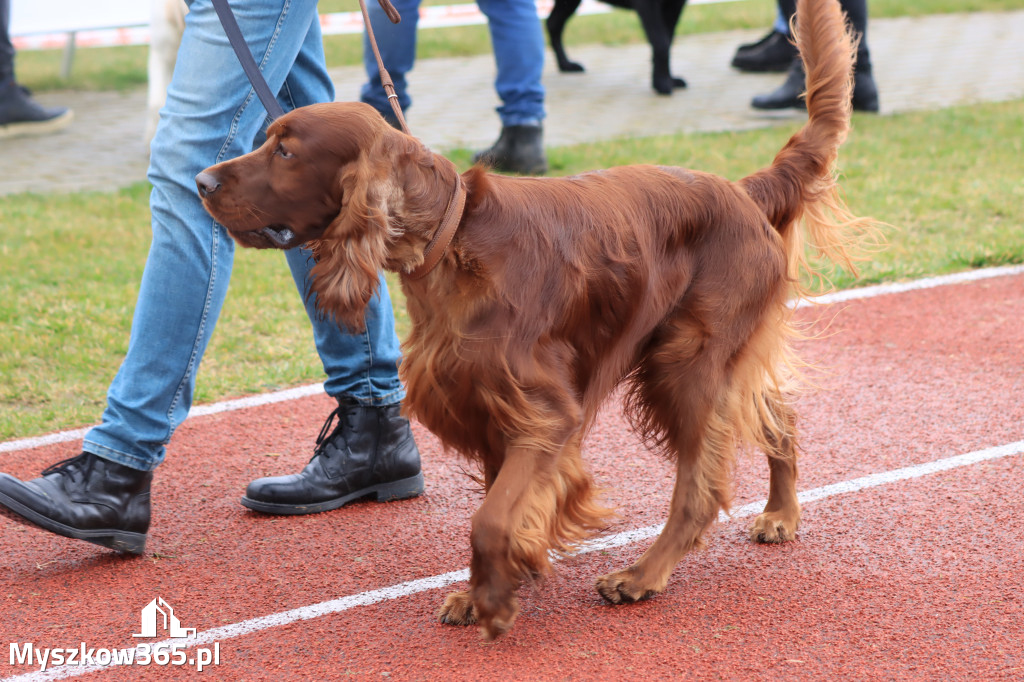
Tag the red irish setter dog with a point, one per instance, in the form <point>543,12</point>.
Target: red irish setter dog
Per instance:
<point>533,299</point>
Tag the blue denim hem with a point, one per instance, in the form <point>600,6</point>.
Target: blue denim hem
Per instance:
<point>145,463</point>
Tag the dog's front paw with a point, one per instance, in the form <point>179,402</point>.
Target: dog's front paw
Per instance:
<point>678,82</point>
<point>570,67</point>
<point>457,609</point>
<point>623,587</point>
<point>774,527</point>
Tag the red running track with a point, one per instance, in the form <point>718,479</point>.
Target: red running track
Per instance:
<point>911,579</point>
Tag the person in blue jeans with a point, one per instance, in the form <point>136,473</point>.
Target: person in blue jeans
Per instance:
<point>518,41</point>
<point>212,114</point>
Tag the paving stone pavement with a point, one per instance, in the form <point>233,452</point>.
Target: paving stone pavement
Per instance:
<point>920,63</point>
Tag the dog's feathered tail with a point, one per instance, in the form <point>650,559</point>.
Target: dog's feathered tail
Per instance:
<point>800,185</point>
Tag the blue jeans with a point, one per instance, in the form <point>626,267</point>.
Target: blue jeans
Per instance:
<point>211,115</point>
<point>518,52</point>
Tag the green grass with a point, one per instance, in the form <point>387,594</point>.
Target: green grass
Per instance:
<point>72,263</point>
<point>120,68</point>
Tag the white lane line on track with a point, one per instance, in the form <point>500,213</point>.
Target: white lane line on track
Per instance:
<point>913,285</point>
<point>314,389</point>
<point>412,587</point>
<point>197,411</point>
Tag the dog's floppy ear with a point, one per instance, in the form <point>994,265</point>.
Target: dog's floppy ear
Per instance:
<point>352,250</point>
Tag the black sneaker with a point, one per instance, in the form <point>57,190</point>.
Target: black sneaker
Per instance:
<point>370,453</point>
<point>21,115</point>
<point>519,149</point>
<point>85,497</point>
<point>773,53</point>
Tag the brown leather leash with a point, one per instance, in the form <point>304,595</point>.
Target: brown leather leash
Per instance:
<point>453,214</point>
<point>385,77</point>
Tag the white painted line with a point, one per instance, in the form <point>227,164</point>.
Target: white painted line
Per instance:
<point>312,389</point>
<point>197,411</point>
<point>914,285</point>
<point>413,587</point>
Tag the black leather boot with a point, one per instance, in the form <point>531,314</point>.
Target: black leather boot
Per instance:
<point>369,454</point>
<point>86,498</point>
<point>789,94</point>
<point>519,149</point>
<point>774,52</point>
<point>21,115</point>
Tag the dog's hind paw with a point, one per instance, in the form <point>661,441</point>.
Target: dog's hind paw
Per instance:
<point>774,527</point>
<point>457,610</point>
<point>622,587</point>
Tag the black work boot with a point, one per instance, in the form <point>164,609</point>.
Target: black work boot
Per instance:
<point>369,454</point>
<point>774,52</point>
<point>789,95</point>
<point>21,115</point>
<point>865,92</point>
<point>86,498</point>
<point>519,149</point>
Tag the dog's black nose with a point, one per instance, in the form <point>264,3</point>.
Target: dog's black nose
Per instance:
<point>207,184</point>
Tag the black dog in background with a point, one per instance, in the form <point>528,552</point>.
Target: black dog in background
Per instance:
<point>659,19</point>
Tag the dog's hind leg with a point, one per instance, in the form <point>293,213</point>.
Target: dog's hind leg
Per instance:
<point>781,516</point>
<point>680,399</point>
<point>659,35</point>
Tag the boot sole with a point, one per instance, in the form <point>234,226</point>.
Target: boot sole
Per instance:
<point>30,128</point>
<point>383,492</point>
<point>125,542</point>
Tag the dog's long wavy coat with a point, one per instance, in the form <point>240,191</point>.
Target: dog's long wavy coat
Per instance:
<point>556,291</point>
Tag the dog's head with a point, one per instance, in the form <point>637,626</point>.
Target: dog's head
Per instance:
<point>337,177</point>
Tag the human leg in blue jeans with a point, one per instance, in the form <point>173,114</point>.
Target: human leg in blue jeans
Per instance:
<point>518,42</point>
<point>212,115</point>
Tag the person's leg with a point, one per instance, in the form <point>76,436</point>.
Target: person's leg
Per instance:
<point>19,113</point>
<point>397,45</point>
<point>371,451</point>
<point>518,41</point>
<point>865,92</point>
<point>211,114</point>
<point>787,8</point>
<point>6,48</point>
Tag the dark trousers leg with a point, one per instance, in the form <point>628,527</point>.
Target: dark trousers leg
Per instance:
<point>857,11</point>
<point>6,48</point>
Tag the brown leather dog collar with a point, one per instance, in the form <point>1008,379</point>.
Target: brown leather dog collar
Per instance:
<point>445,233</point>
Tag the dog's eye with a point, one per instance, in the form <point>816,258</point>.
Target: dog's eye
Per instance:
<point>282,152</point>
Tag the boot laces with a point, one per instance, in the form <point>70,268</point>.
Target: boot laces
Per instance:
<point>67,466</point>
<point>326,434</point>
